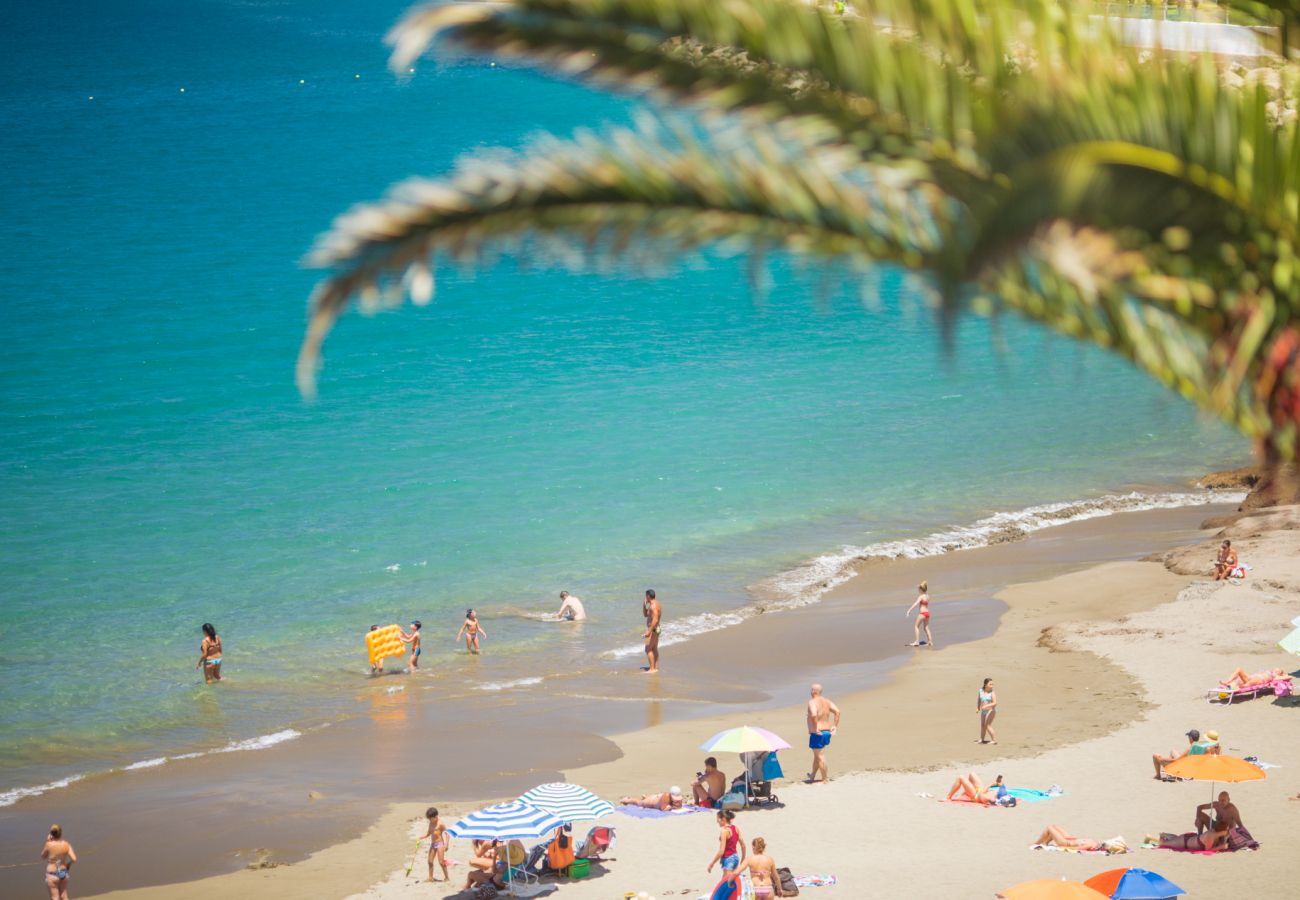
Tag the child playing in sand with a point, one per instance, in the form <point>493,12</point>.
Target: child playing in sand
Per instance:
<point>414,640</point>
<point>438,849</point>
<point>472,630</point>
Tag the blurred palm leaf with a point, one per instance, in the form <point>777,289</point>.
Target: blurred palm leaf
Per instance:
<point>1015,151</point>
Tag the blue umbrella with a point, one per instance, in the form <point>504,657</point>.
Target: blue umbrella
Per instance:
<point>1134,884</point>
<point>504,822</point>
<point>569,802</point>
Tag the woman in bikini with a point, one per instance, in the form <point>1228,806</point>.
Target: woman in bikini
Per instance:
<point>975,790</point>
<point>1055,835</point>
<point>59,857</point>
<point>669,799</point>
<point>438,848</point>
<point>762,871</point>
<point>471,629</point>
<point>987,705</point>
<point>1257,680</point>
<point>731,849</point>
<point>922,615</point>
<point>210,654</point>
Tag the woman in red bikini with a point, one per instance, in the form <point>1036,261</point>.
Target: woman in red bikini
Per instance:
<point>922,616</point>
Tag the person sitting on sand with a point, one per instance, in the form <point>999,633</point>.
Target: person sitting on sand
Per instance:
<point>1259,679</point>
<point>1195,748</point>
<point>976,791</point>
<point>490,859</point>
<point>571,609</point>
<point>709,785</point>
<point>762,871</point>
<point>1225,817</point>
<point>1056,836</point>
<point>1225,561</point>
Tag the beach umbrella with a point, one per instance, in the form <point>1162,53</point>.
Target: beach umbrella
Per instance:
<point>1291,643</point>
<point>1051,889</point>
<point>506,822</point>
<point>569,802</point>
<point>1214,767</point>
<point>1134,884</point>
<point>745,739</point>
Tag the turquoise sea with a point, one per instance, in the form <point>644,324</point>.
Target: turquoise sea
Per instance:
<point>166,166</point>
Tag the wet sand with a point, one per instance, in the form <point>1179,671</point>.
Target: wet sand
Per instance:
<point>241,808</point>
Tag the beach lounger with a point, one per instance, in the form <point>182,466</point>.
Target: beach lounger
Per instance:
<point>1226,694</point>
<point>600,840</point>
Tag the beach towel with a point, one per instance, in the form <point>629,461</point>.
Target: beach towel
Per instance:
<point>804,881</point>
<point>640,812</point>
<point>1031,795</point>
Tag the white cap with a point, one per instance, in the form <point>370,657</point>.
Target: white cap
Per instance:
<point>675,791</point>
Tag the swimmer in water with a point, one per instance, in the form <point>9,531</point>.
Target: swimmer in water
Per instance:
<point>210,654</point>
<point>472,630</point>
<point>414,640</point>
<point>570,608</point>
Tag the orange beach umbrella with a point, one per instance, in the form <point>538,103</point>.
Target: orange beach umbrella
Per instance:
<point>1051,889</point>
<point>1214,768</point>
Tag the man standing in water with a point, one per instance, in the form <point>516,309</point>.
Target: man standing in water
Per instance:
<point>570,608</point>
<point>652,611</point>
<point>821,729</point>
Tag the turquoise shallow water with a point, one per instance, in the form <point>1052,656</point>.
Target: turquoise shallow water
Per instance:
<point>529,431</point>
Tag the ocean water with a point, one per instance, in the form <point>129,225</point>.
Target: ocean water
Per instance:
<point>528,432</point>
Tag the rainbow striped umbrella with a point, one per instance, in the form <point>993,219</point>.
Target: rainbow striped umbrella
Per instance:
<point>745,739</point>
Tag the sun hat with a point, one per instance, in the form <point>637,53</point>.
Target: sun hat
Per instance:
<point>1212,735</point>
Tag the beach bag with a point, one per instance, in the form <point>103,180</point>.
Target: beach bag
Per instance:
<point>560,854</point>
<point>788,887</point>
<point>772,768</point>
<point>1006,800</point>
<point>1239,839</point>
<point>485,891</point>
<point>1282,687</point>
<point>733,800</point>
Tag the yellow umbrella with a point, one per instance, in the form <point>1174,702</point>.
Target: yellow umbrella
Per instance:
<point>1051,889</point>
<point>1213,767</point>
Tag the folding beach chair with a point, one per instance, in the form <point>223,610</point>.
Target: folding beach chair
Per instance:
<point>600,840</point>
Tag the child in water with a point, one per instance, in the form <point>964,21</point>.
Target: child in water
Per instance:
<point>472,630</point>
<point>414,640</point>
<point>438,849</point>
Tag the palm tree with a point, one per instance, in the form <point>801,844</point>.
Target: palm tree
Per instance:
<point>1014,153</point>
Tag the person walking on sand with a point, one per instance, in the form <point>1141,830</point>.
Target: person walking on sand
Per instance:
<point>987,705</point>
<point>472,631</point>
<point>59,858</point>
<point>922,616</point>
<point>570,608</point>
<point>437,834</point>
<point>414,640</point>
<point>653,612</point>
<point>821,729</point>
<point>210,654</point>
<point>731,849</point>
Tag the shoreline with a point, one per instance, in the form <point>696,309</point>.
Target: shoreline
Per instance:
<point>1042,553</point>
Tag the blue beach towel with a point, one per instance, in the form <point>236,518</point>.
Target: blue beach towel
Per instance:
<point>640,812</point>
<point>1029,795</point>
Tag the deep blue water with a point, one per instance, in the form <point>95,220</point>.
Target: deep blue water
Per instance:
<point>527,432</point>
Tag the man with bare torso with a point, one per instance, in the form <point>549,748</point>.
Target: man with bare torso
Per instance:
<point>652,611</point>
<point>823,720</point>
<point>709,785</point>
<point>1225,817</point>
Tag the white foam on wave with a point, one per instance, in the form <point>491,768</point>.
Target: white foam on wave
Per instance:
<point>806,583</point>
<point>145,764</point>
<point>507,685</point>
<point>261,742</point>
<point>9,798</point>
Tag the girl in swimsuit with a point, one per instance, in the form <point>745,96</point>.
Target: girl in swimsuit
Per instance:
<point>922,616</point>
<point>471,629</point>
<point>987,706</point>
<point>210,654</point>
<point>438,849</point>
<point>414,640</point>
<point>762,872</point>
<point>59,857</point>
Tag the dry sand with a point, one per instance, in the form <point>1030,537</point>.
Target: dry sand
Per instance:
<point>1095,670</point>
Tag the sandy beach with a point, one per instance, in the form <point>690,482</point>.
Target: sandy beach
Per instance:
<point>1095,669</point>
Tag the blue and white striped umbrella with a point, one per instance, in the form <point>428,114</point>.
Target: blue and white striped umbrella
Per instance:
<point>504,822</point>
<point>569,802</point>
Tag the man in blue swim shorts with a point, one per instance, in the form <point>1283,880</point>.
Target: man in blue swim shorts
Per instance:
<point>823,720</point>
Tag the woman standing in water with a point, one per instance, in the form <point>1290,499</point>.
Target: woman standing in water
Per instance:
<point>472,630</point>
<point>988,710</point>
<point>922,615</point>
<point>59,857</point>
<point>210,654</point>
